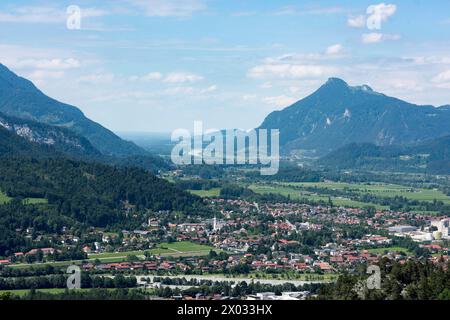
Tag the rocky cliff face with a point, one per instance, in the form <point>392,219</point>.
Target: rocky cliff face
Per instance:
<point>60,139</point>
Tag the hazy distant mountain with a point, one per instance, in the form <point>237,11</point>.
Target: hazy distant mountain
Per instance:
<point>20,98</point>
<point>338,114</point>
<point>431,156</point>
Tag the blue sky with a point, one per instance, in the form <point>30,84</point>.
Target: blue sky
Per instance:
<point>154,65</point>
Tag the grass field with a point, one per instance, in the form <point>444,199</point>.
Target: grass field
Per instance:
<point>35,201</point>
<point>184,247</point>
<point>206,193</point>
<point>5,199</point>
<point>23,292</point>
<point>377,189</point>
<point>285,190</point>
<point>175,249</point>
<point>381,190</point>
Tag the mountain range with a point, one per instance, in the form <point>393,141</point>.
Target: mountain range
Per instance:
<point>343,126</point>
<point>338,114</point>
<point>20,137</point>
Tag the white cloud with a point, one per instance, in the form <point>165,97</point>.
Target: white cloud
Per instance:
<point>392,37</point>
<point>42,14</point>
<point>356,21</point>
<point>295,90</point>
<point>249,97</point>
<point>34,15</point>
<point>152,76</point>
<point>14,55</point>
<point>169,8</point>
<point>334,49</point>
<point>403,84</point>
<point>293,71</point>
<point>443,85</point>
<point>429,59</point>
<point>292,10</point>
<point>97,78</point>
<point>210,89</point>
<point>375,37</point>
<point>442,80</point>
<point>45,75</point>
<point>243,14</point>
<point>180,77</point>
<point>279,101</point>
<point>442,77</point>
<point>371,37</point>
<point>376,14</point>
<point>380,12</point>
<point>308,58</point>
<point>174,77</point>
<point>189,90</point>
<point>49,64</point>
<point>266,85</point>
<point>179,90</point>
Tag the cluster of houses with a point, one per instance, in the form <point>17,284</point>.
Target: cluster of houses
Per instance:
<point>240,227</point>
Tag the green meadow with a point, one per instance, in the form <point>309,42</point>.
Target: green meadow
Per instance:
<point>293,193</point>
<point>183,247</point>
<point>381,190</point>
<point>206,193</point>
<point>175,249</point>
<point>23,292</point>
<point>5,199</point>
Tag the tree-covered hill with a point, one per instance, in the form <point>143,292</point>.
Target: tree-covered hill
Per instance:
<point>413,280</point>
<point>431,156</point>
<point>87,194</point>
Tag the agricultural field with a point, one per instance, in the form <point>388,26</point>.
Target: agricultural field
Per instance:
<point>293,193</point>
<point>206,193</point>
<point>380,190</point>
<point>184,246</point>
<point>23,292</point>
<point>175,249</point>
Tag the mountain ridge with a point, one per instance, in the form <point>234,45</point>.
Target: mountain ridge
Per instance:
<point>337,114</point>
<point>20,98</point>
<point>45,138</point>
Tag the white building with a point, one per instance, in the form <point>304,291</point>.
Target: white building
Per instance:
<point>442,227</point>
